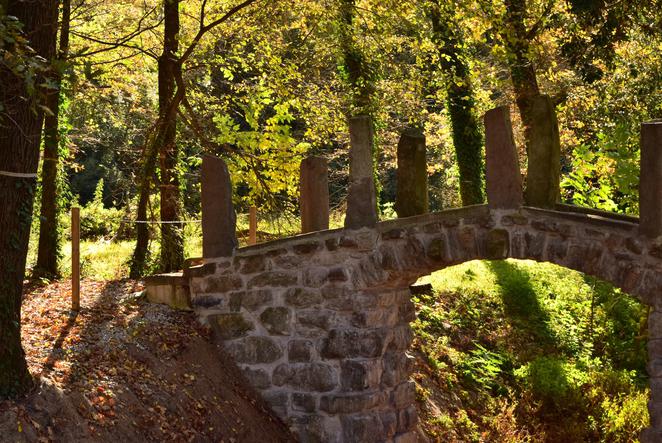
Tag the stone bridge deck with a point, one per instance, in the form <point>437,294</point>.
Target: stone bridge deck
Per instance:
<point>319,323</point>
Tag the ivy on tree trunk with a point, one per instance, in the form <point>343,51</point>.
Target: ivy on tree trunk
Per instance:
<point>49,237</point>
<point>467,136</point>
<point>20,138</point>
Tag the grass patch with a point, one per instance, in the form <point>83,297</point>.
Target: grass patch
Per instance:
<point>529,351</point>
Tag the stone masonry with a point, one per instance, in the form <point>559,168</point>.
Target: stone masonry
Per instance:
<point>319,323</point>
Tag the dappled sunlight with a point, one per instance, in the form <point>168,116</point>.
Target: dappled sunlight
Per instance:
<point>531,350</point>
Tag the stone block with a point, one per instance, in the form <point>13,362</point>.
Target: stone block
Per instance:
<point>650,180</point>
<point>534,244</point>
<point>402,337</point>
<point>254,350</point>
<point>349,403</point>
<point>273,278</point>
<point>300,351</point>
<point>314,277</point>
<point>276,320</point>
<point>251,265</point>
<point>655,324</point>
<point>343,343</point>
<point>303,297</point>
<point>223,283</point>
<point>360,375</point>
<point>315,318</point>
<point>407,437</point>
<point>407,419</point>
<point>258,378</point>
<point>397,367</point>
<point>377,318</point>
<point>252,300</point>
<point>503,178</point>
<point>229,326</point>
<point>497,244</point>
<point>654,367</point>
<point>289,261</point>
<point>437,248</point>
<point>314,194</point>
<point>655,412</point>
<point>337,298</point>
<point>306,248</point>
<point>219,238</point>
<point>304,402</point>
<point>337,274</point>
<point>364,428</point>
<point>278,401</point>
<point>544,154</point>
<point>403,395</point>
<point>650,435</point>
<point>362,196</point>
<point>412,175</point>
<point>389,421</point>
<point>557,249</point>
<point>207,301</point>
<point>316,429</point>
<point>315,377</point>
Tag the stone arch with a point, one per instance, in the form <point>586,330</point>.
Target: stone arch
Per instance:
<point>319,323</point>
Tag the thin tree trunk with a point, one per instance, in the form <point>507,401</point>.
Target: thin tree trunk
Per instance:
<point>49,239</point>
<point>522,70</point>
<point>541,131</point>
<point>142,229</point>
<point>357,68</point>
<point>20,137</point>
<point>467,137</point>
<point>172,241</point>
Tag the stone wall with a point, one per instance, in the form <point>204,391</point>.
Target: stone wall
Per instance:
<point>319,323</point>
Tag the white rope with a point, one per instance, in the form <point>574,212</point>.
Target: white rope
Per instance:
<point>18,174</point>
<point>156,222</point>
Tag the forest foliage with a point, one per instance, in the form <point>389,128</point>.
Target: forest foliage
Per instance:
<point>271,83</point>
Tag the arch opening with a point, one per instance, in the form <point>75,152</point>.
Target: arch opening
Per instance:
<point>519,349</point>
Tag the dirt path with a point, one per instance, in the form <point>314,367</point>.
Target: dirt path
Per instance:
<point>124,370</point>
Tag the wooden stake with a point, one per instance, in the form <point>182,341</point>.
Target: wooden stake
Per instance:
<point>75,259</point>
<point>252,225</point>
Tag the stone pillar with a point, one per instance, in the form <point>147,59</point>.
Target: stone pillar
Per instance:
<point>544,152</point>
<point>650,180</point>
<point>504,181</point>
<point>412,176</point>
<point>362,196</point>
<point>654,432</point>
<point>219,222</point>
<point>314,195</point>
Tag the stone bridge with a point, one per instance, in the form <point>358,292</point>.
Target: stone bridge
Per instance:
<point>319,323</point>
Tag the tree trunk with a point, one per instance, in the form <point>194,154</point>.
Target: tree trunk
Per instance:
<point>20,138</point>
<point>142,229</point>
<point>356,66</point>
<point>467,137</point>
<point>522,70</point>
<point>49,239</point>
<point>163,144</point>
<point>537,112</point>
<point>172,241</point>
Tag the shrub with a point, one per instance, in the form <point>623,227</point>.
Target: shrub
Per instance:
<point>96,221</point>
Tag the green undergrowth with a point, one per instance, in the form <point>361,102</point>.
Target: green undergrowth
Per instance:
<point>519,351</point>
<point>106,251</point>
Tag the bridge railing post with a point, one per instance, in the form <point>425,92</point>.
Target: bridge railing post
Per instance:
<point>504,181</point>
<point>544,154</point>
<point>362,196</point>
<point>314,194</point>
<point>411,197</point>
<point>219,221</point>
<point>650,179</point>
